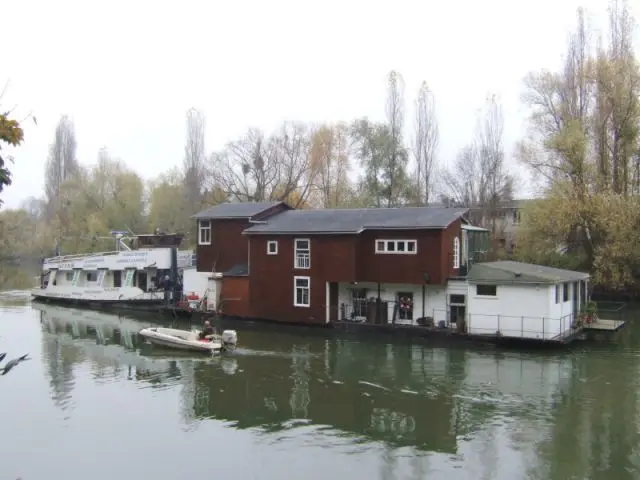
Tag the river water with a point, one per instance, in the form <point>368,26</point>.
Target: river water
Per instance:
<point>95,403</point>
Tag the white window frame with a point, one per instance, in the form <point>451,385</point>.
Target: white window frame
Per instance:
<point>201,229</point>
<point>385,250</point>
<point>456,253</point>
<point>272,243</point>
<point>295,291</point>
<point>302,254</point>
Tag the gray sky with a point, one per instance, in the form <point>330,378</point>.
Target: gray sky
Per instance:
<point>126,72</point>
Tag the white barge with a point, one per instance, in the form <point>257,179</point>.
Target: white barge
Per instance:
<point>144,273</point>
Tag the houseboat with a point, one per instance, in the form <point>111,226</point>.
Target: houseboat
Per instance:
<point>418,268</point>
<point>144,272</point>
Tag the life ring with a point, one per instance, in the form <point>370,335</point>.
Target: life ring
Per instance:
<point>406,304</point>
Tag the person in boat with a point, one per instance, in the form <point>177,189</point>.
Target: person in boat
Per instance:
<point>207,330</point>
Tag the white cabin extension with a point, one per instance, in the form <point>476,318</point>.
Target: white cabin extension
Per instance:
<point>504,299</point>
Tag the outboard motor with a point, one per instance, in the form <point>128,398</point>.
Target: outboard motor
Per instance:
<point>229,338</point>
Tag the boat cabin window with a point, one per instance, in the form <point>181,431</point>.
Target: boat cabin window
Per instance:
<point>92,276</point>
<point>68,276</point>
<point>117,278</point>
<point>142,280</point>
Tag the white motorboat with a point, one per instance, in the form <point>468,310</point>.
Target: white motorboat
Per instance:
<point>190,340</point>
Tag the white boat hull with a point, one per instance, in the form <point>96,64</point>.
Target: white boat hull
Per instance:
<point>184,340</point>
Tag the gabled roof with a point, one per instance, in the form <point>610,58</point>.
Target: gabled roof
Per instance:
<point>510,273</point>
<point>235,210</point>
<point>354,221</point>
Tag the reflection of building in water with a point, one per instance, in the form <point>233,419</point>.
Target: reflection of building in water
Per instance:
<point>300,366</point>
<point>373,394</point>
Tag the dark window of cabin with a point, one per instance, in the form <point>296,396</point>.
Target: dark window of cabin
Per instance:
<point>117,278</point>
<point>486,290</point>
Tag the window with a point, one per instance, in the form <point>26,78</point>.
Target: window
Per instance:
<point>558,292</point>
<point>565,293</point>
<point>301,290</point>
<point>302,254</point>
<point>204,232</point>
<point>68,276</point>
<point>272,247</point>
<point>397,246</point>
<point>456,253</point>
<point>516,217</point>
<point>486,290</point>
<point>456,299</point>
<point>92,276</point>
<point>405,306</point>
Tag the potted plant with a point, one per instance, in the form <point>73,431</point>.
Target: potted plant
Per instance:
<point>590,312</point>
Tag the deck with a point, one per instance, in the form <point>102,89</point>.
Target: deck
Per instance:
<point>604,325</point>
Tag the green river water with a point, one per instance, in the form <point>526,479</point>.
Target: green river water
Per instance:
<point>94,403</point>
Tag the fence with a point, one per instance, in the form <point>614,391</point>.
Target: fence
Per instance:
<point>541,328</point>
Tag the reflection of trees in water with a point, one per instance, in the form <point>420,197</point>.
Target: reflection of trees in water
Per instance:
<point>59,360</point>
<point>595,420</point>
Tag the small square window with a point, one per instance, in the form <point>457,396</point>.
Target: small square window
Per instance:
<point>411,246</point>
<point>272,247</point>
<point>400,245</point>
<point>391,246</point>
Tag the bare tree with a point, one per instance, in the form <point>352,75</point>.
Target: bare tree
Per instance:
<point>62,163</point>
<point>255,168</point>
<point>425,143</point>
<point>194,159</point>
<point>560,104</point>
<point>397,155</point>
<point>330,160</point>
<point>479,178</point>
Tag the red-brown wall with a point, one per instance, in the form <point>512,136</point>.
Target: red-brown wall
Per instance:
<point>454,230</point>
<point>234,297</point>
<point>333,258</point>
<point>228,246</point>
<point>386,268</point>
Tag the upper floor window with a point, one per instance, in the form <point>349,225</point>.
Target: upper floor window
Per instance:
<point>397,246</point>
<point>302,253</point>
<point>272,247</point>
<point>204,232</point>
<point>456,253</point>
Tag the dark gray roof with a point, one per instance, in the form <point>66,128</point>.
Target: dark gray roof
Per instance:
<point>508,272</point>
<point>350,221</point>
<point>235,210</point>
<point>238,270</point>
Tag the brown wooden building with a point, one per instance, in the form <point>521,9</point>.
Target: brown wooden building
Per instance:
<point>318,266</point>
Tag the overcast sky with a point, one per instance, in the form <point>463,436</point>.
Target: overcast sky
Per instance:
<point>126,72</point>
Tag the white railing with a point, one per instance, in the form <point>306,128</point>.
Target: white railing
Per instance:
<point>303,260</point>
<point>62,258</point>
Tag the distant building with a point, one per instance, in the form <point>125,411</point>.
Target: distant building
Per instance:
<point>503,223</point>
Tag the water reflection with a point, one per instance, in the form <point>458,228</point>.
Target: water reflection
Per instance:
<point>486,413</point>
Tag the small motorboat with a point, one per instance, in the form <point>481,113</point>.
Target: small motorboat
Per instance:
<point>190,340</point>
